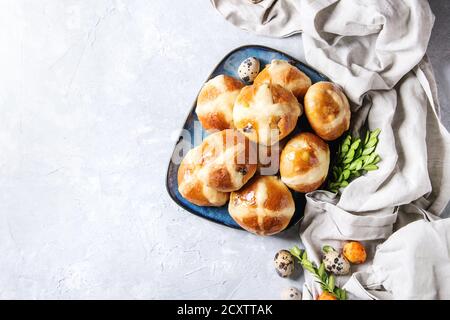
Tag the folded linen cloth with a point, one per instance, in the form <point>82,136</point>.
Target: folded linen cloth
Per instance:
<point>376,51</point>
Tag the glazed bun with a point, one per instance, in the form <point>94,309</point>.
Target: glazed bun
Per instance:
<point>215,102</point>
<point>229,160</point>
<point>286,75</point>
<point>264,206</point>
<point>327,110</point>
<point>192,188</point>
<point>266,113</point>
<point>304,162</point>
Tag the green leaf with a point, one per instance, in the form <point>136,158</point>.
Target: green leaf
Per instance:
<point>367,137</point>
<point>323,285</point>
<point>354,158</point>
<point>347,160</point>
<point>355,144</point>
<point>346,174</point>
<point>304,255</point>
<point>376,160</point>
<point>327,282</point>
<point>370,159</point>
<point>347,140</point>
<point>327,249</point>
<point>356,165</point>
<point>363,158</point>
<point>372,142</point>
<point>371,167</point>
<point>321,271</point>
<point>346,144</point>
<point>368,151</point>
<point>338,293</point>
<point>344,294</point>
<point>358,152</point>
<point>341,294</point>
<point>359,165</point>
<point>307,263</point>
<point>344,149</point>
<point>309,268</point>
<point>296,251</point>
<point>355,174</point>
<point>331,283</point>
<point>375,133</point>
<point>352,166</point>
<point>350,154</point>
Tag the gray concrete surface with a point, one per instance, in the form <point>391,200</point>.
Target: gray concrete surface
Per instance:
<point>91,95</point>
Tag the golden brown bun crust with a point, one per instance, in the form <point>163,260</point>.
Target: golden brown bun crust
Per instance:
<point>327,110</point>
<point>192,188</point>
<point>264,206</point>
<point>304,162</point>
<point>230,160</point>
<point>286,75</point>
<point>266,113</point>
<point>215,102</point>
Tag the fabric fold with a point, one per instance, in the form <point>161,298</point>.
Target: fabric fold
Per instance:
<point>376,51</point>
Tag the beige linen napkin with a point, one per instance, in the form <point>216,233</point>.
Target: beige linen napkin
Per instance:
<point>376,51</point>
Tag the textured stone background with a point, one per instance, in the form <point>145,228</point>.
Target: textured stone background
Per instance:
<point>91,93</point>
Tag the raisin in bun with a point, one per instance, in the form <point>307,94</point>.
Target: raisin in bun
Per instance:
<point>327,110</point>
<point>215,102</point>
<point>194,189</point>
<point>229,160</point>
<point>264,206</point>
<point>266,113</point>
<point>286,75</point>
<point>304,162</point>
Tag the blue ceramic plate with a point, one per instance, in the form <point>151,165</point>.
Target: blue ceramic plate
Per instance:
<point>229,66</point>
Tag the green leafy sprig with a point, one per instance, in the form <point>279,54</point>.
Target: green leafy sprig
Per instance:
<point>355,158</point>
<point>327,282</point>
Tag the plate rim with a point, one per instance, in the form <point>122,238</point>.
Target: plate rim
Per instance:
<point>221,61</point>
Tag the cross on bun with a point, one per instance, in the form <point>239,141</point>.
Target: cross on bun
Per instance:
<point>327,110</point>
<point>264,206</point>
<point>215,102</point>
<point>229,160</point>
<point>304,162</point>
<point>191,187</point>
<point>266,113</point>
<point>286,75</point>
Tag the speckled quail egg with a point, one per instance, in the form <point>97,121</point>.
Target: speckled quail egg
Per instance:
<point>336,263</point>
<point>249,69</point>
<point>284,263</point>
<point>291,294</point>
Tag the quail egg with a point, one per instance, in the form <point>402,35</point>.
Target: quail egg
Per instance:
<point>249,69</point>
<point>336,263</point>
<point>291,294</point>
<point>284,263</point>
